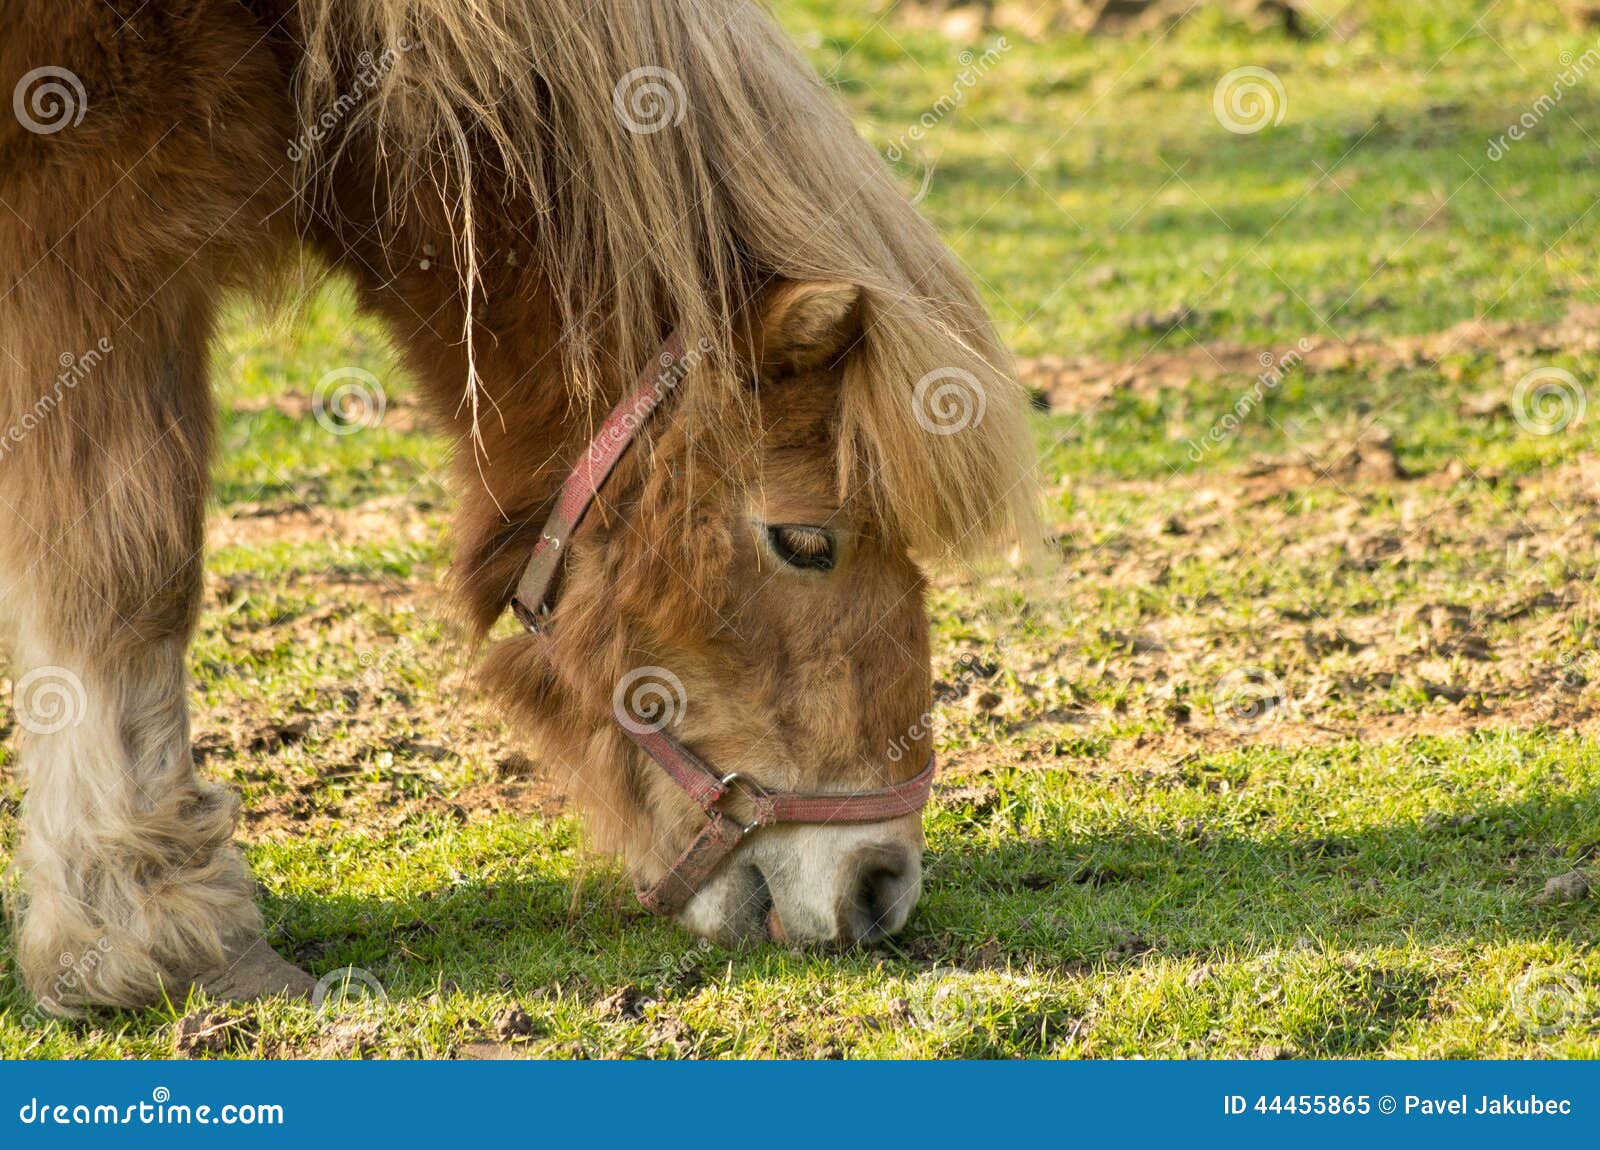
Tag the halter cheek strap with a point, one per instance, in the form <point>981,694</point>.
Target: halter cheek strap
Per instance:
<point>531,603</point>
<point>722,833</point>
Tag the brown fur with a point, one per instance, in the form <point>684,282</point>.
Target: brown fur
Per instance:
<point>802,680</point>
<point>559,250</point>
<point>125,228</point>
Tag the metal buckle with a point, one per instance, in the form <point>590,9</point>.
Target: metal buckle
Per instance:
<point>533,621</point>
<point>727,781</point>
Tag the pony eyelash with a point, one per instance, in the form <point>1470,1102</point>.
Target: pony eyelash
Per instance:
<point>805,547</point>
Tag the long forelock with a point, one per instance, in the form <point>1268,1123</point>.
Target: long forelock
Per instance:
<point>679,155</point>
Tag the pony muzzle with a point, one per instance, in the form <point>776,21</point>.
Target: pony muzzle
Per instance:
<point>813,884</point>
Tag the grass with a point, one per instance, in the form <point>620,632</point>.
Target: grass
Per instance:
<point>1274,753</point>
<point>1088,181</point>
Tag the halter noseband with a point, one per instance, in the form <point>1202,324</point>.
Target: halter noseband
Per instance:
<point>722,833</point>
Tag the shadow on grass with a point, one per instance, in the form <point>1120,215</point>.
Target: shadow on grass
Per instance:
<point>1455,877</point>
<point>1085,909</point>
<point>1376,904</point>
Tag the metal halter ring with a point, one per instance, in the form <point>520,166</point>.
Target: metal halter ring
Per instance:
<point>727,781</point>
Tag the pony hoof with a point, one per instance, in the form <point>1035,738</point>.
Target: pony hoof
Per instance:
<point>252,969</point>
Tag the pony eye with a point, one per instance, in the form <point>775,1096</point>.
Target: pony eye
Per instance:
<point>809,548</point>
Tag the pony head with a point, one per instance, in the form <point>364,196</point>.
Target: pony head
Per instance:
<point>751,576</point>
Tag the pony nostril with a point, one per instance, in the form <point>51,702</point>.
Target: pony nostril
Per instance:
<point>886,885</point>
<point>761,907</point>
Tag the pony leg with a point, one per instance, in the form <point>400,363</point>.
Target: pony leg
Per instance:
<point>161,178</point>
<point>131,886</point>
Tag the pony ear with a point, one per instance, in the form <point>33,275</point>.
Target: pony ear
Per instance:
<point>802,325</point>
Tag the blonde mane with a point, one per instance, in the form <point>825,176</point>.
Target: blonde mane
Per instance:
<point>746,170</point>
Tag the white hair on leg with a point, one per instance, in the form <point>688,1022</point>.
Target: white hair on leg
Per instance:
<point>130,880</point>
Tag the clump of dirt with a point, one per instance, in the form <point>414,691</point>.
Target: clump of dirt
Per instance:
<point>975,799</point>
<point>668,1035</point>
<point>1366,456</point>
<point>516,765</point>
<point>489,1052</point>
<point>626,1004</point>
<point>1570,887</point>
<point>1127,946</point>
<point>511,1023</point>
<point>351,1038</point>
<point>276,736</point>
<point>204,1032</point>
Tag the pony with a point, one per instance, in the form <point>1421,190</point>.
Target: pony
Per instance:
<point>532,195</point>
